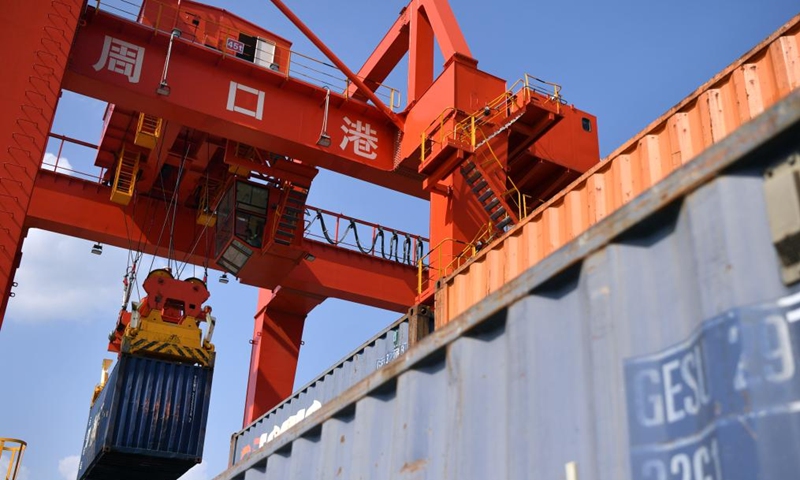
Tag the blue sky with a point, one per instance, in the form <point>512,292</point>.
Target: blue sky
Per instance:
<point>624,61</point>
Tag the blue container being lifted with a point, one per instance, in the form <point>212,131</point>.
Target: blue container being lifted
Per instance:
<point>148,422</point>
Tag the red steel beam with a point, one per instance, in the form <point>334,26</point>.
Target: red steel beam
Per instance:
<point>340,64</point>
<point>333,272</point>
<point>235,99</point>
<point>82,209</point>
<point>386,55</point>
<point>349,275</point>
<point>277,334</point>
<point>79,208</point>
<point>34,46</point>
<point>413,32</point>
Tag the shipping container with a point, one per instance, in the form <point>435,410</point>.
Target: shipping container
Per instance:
<point>148,422</point>
<point>662,343</point>
<point>384,348</point>
<point>760,78</point>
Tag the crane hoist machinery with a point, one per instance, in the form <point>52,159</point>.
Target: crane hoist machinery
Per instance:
<point>218,127</point>
<point>148,417</point>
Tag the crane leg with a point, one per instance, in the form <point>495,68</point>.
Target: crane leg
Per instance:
<point>276,341</point>
<point>29,96</point>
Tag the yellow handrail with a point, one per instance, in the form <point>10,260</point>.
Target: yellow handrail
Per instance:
<point>438,124</point>
<point>465,131</point>
<point>439,269</point>
<point>522,208</point>
<point>483,236</point>
<point>468,130</point>
<point>16,449</point>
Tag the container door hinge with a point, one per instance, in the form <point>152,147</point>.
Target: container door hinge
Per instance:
<point>782,192</point>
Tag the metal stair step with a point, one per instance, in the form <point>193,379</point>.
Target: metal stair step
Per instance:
<point>290,219</point>
<point>480,186</point>
<point>294,210</point>
<point>499,213</point>
<point>504,223</point>
<point>485,196</point>
<point>474,178</point>
<point>490,206</point>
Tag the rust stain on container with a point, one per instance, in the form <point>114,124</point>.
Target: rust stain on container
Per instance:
<point>414,466</point>
<point>759,79</point>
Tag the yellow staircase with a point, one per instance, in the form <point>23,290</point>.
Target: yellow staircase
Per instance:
<point>147,131</point>
<point>125,178</point>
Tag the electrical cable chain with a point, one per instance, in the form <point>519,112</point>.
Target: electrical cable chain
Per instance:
<point>394,242</point>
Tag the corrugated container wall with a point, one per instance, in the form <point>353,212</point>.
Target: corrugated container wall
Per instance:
<point>384,348</point>
<point>759,79</point>
<point>148,422</point>
<point>659,344</point>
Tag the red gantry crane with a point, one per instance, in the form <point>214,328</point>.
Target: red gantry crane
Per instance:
<point>211,128</point>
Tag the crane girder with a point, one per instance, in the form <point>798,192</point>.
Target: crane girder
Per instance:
<point>81,209</point>
<point>215,92</point>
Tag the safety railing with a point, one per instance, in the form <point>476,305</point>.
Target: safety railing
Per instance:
<point>246,45</point>
<point>491,163</point>
<point>466,132</point>
<point>77,149</point>
<point>365,237</point>
<point>438,264</point>
<point>11,451</point>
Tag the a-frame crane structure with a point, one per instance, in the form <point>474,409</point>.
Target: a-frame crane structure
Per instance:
<point>205,110</point>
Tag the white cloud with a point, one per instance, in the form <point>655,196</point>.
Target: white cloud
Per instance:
<point>50,163</point>
<point>198,472</point>
<point>68,467</point>
<point>59,279</point>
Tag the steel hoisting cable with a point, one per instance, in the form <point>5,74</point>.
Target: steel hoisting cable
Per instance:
<point>174,206</point>
<point>164,198</point>
<point>172,203</point>
<point>134,260</point>
<point>202,234</point>
<point>194,246</point>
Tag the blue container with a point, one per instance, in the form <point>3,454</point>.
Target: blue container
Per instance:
<point>378,352</point>
<point>660,344</point>
<point>148,422</point>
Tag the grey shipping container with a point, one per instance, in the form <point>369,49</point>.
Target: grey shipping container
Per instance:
<point>148,422</point>
<point>377,352</point>
<point>660,344</point>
